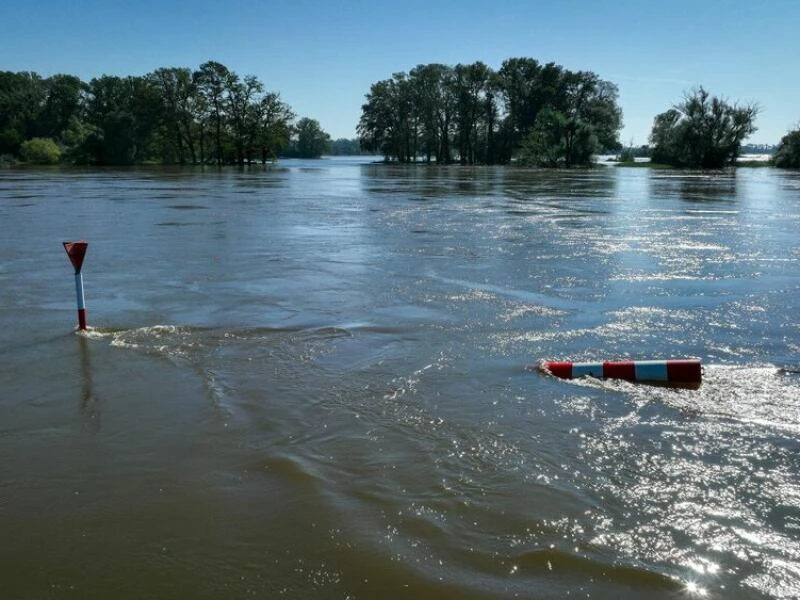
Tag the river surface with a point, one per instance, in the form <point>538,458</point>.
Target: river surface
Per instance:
<point>318,381</point>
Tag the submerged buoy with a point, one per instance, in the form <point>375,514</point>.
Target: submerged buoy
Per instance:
<point>684,371</point>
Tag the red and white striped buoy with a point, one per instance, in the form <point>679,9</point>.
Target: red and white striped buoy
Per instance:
<point>677,371</point>
<point>76,251</point>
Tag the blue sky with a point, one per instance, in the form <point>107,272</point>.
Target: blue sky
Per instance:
<point>322,56</point>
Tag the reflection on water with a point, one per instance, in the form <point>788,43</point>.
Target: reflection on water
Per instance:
<point>695,187</point>
<point>310,381</point>
<point>89,405</point>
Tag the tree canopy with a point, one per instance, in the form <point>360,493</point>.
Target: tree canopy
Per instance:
<point>787,155</point>
<point>173,115</point>
<point>542,114</point>
<point>311,140</point>
<point>524,112</point>
<point>702,131</point>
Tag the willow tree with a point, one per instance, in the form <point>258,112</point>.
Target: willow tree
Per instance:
<point>702,131</point>
<point>787,155</point>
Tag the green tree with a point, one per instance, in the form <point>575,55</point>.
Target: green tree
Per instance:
<point>241,115</point>
<point>63,102</point>
<point>483,116</point>
<point>107,111</point>
<point>212,80</point>
<point>345,147</point>
<point>380,122</point>
<point>544,146</point>
<point>272,123</point>
<point>170,115</point>
<point>491,119</point>
<point>406,123</point>
<point>787,155</point>
<point>83,142</point>
<point>127,110</point>
<point>701,132</point>
<point>40,151</point>
<point>178,93</point>
<point>526,87</point>
<point>470,84</point>
<point>517,79</point>
<point>22,96</point>
<point>312,141</point>
<point>583,120</point>
<point>433,100</point>
<point>593,117</point>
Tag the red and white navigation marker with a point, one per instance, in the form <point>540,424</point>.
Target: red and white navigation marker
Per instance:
<point>76,251</point>
<point>686,371</point>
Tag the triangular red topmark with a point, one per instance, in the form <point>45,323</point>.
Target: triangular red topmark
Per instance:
<point>76,251</point>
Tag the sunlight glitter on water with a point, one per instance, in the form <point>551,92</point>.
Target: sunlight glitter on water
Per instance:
<point>337,403</point>
<point>694,589</point>
<point>702,471</point>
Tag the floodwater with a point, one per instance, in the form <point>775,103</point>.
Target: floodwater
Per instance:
<point>314,381</point>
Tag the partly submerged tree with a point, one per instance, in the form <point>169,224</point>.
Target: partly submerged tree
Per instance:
<point>126,112</point>
<point>272,123</point>
<point>472,93</point>
<point>787,155</point>
<point>172,115</point>
<point>389,122</point>
<point>345,147</point>
<point>243,113</point>
<point>435,106</point>
<point>213,81</point>
<point>584,120</point>
<point>178,98</point>
<point>544,145</point>
<point>312,141</point>
<point>701,132</point>
<point>542,114</point>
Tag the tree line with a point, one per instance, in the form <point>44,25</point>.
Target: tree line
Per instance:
<point>524,112</point>
<point>210,115</point>
<point>544,115</point>
<point>539,114</point>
